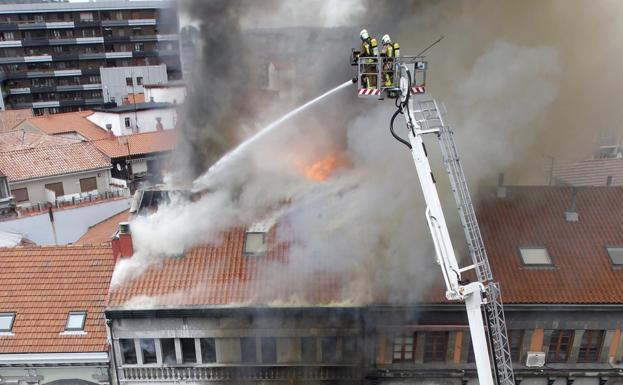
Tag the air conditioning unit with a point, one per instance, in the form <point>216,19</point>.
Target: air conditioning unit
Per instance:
<point>535,359</point>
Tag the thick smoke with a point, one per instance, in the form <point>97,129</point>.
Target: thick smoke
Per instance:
<point>366,220</point>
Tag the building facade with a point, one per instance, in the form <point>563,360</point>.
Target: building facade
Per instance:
<point>218,313</point>
<point>119,82</point>
<point>51,54</point>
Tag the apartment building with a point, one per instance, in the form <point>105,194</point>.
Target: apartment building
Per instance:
<point>51,53</point>
<point>228,312</point>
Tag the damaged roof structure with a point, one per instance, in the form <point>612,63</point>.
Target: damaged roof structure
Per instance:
<point>231,305</point>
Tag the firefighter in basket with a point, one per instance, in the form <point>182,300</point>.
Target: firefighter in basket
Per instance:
<point>370,50</point>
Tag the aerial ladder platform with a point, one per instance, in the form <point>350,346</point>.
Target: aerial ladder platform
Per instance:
<point>404,79</point>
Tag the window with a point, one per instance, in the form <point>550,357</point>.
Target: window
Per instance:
<point>592,341</point>
<point>247,350</point>
<point>128,351</point>
<point>148,348</point>
<point>39,19</point>
<point>254,243</point>
<point>616,254</point>
<point>6,321</point>
<point>56,187</point>
<point>269,350</point>
<point>436,344</point>
<point>559,346</point>
<point>75,320</point>
<point>329,350</point>
<point>189,355</point>
<point>167,345</point>
<point>128,82</point>
<point>208,350</point>
<point>86,16</point>
<point>139,47</point>
<point>515,340</point>
<point>139,80</point>
<point>308,349</point>
<point>88,184</point>
<point>127,122</point>
<point>349,349</point>
<point>535,256</point>
<point>20,194</point>
<point>404,345</point>
<point>137,31</point>
<point>58,49</point>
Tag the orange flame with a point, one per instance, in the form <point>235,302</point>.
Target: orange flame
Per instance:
<point>323,168</point>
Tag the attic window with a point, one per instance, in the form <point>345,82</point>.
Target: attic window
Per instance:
<point>6,321</point>
<point>75,321</point>
<point>535,256</point>
<point>616,254</point>
<point>254,243</point>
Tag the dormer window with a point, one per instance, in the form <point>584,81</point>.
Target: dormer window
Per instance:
<point>6,322</point>
<point>75,321</point>
<point>535,256</point>
<point>254,243</point>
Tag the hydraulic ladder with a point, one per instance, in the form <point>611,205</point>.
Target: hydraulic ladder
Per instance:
<point>428,117</point>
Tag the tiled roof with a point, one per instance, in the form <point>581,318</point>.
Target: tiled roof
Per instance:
<point>67,123</point>
<point>534,216</point>
<point>214,275</point>
<point>40,162</point>
<point>591,172</point>
<point>42,285</point>
<point>11,118</point>
<point>20,139</point>
<point>138,144</point>
<point>103,231</point>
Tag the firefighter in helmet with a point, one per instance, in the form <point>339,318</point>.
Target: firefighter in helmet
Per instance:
<point>389,52</point>
<point>370,50</point>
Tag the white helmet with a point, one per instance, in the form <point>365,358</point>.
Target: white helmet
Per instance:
<point>386,39</point>
<point>364,34</point>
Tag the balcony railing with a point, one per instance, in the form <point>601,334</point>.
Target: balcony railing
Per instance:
<point>197,373</point>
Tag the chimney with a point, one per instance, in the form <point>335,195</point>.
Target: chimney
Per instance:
<point>122,243</point>
<point>109,130</point>
<point>609,180</point>
<point>571,215</point>
<point>159,126</point>
<point>501,188</point>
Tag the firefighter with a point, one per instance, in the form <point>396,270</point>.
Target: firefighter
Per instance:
<point>369,49</point>
<point>389,52</point>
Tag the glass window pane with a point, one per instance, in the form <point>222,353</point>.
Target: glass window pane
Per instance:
<point>148,348</point>
<point>189,354</point>
<point>329,349</point>
<point>255,243</point>
<point>247,347</point>
<point>208,350</point>
<point>167,345</point>
<point>616,255</point>
<point>308,349</point>
<point>6,321</point>
<point>269,350</point>
<point>128,351</point>
<point>535,256</point>
<point>75,321</point>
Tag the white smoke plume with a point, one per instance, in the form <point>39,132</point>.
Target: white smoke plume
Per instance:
<point>366,220</point>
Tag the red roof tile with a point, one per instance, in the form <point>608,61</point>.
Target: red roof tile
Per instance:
<point>103,231</point>
<point>20,139</point>
<point>68,122</point>
<point>40,162</point>
<point>11,118</point>
<point>220,274</point>
<point>138,144</point>
<point>42,285</point>
<point>591,172</point>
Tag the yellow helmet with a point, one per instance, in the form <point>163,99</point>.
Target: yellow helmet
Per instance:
<point>364,34</point>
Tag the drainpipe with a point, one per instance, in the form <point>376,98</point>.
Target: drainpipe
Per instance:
<point>112,348</point>
<point>51,214</point>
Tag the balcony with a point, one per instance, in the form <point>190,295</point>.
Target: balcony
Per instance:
<point>240,374</point>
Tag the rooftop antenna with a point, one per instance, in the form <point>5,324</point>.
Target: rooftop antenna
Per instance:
<point>430,46</point>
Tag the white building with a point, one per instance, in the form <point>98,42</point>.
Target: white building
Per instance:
<point>171,92</point>
<point>136,118</point>
<point>118,82</point>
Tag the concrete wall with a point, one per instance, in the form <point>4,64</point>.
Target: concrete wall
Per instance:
<point>71,185</point>
<point>145,120</point>
<point>175,95</point>
<point>114,80</point>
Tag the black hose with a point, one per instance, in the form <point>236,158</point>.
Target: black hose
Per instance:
<point>391,129</point>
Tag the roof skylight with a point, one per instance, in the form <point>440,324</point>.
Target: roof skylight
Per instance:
<point>6,321</point>
<point>75,320</point>
<point>535,256</point>
<point>616,254</point>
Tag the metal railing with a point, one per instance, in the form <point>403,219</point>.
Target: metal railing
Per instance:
<point>383,73</point>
